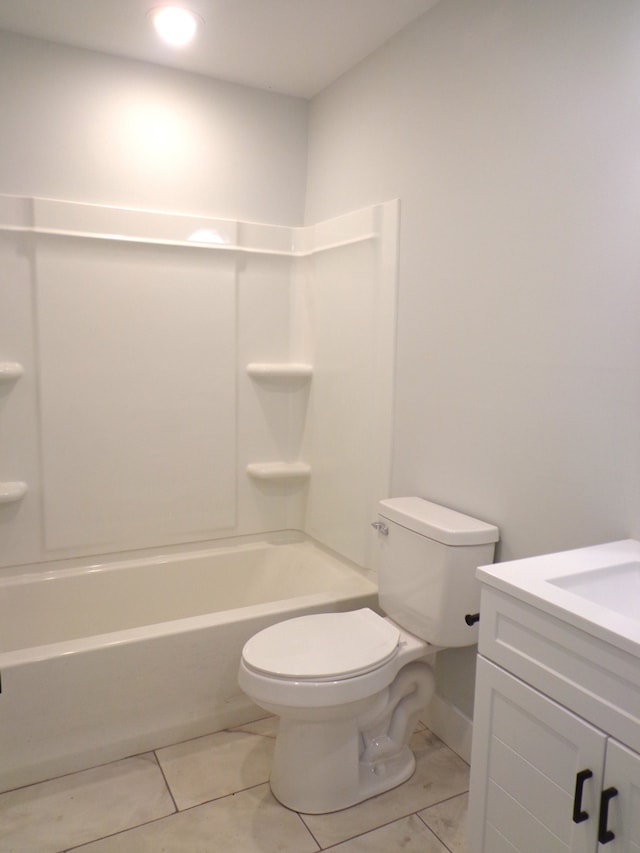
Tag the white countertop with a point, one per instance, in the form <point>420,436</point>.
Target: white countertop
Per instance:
<point>595,589</point>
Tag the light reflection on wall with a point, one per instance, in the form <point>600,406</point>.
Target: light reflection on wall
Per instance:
<point>154,134</point>
<point>147,144</point>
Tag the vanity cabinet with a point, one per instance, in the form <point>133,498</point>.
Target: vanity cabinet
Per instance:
<point>555,761</point>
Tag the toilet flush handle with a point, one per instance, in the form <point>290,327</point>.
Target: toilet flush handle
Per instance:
<point>381,527</point>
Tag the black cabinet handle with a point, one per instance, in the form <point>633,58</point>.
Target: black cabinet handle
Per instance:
<point>578,813</point>
<point>605,835</point>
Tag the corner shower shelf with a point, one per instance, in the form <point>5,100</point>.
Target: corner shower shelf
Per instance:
<point>279,370</point>
<point>12,492</point>
<point>279,470</point>
<point>10,371</point>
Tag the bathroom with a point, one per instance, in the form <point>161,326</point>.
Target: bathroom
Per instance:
<point>509,132</point>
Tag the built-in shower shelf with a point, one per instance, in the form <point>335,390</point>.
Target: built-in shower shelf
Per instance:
<point>279,470</point>
<point>12,492</point>
<point>279,370</point>
<point>10,371</point>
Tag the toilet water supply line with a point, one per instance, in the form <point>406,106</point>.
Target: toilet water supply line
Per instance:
<point>410,693</point>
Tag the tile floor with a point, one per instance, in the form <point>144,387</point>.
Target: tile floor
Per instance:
<point>211,794</point>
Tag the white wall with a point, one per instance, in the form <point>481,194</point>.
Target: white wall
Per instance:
<point>510,131</point>
<point>83,126</point>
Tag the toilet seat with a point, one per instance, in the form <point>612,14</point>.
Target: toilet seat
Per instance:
<point>289,693</point>
<point>323,647</point>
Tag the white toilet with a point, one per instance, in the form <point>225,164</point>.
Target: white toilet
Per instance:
<point>348,687</point>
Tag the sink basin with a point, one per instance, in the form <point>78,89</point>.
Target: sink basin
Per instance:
<point>596,589</point>
<point>614,587</point>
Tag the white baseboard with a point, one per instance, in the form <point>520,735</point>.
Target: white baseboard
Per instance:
<point>449,724</point>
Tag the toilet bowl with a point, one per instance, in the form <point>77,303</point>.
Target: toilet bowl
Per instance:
<point>349,687</point>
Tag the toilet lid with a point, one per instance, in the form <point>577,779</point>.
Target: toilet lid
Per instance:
<point>323,646</point>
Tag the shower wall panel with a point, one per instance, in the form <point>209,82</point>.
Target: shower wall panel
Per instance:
<point>346,299</point>
<point>342,305</point>
<point>136,353</point>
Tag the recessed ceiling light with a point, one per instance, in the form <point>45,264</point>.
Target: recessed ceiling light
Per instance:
<point>175,24</point>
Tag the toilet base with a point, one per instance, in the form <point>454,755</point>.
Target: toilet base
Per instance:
<point>316,768</point>
<point>325,765</point>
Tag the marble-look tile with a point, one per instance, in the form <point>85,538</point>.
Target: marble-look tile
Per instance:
<point>53,816</point>
<point>216,765</point>
<point>448,821</point>
<point>249,822</point>
<point>440,774</point>
<point>408,834</point>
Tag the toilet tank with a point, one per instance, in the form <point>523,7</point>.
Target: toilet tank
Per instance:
<point>428,558</point>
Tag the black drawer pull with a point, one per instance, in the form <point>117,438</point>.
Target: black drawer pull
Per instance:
<point>605,835</point>
<point>578,813</point>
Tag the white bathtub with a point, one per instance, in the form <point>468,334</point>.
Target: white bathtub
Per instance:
<point>103,661</point>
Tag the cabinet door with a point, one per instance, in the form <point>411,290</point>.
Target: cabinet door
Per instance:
<point>622,819</point>
<point>527,755</point>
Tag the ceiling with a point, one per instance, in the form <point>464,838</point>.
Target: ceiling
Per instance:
<point>295,47</point>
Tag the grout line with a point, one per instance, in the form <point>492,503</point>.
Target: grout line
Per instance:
<point>432,831</point>
<point>375,829</point>
<point>221,797</point>
<point>389,822</point>
<point>166,783</point>
<point>76,772</point>
<point>315,840</point>
<point>166,817</point>
<point>447,800</point>
<point>121,832</point>
<point>137,825</point>
<point>320,847</point>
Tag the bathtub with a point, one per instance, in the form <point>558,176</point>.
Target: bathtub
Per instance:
<point>102,661</point>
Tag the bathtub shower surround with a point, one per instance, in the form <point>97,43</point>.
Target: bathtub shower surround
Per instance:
<point>125,656</point>
<point>172,385</point>
<point>188,379</point>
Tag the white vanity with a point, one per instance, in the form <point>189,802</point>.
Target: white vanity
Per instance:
<point>556,744</point>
